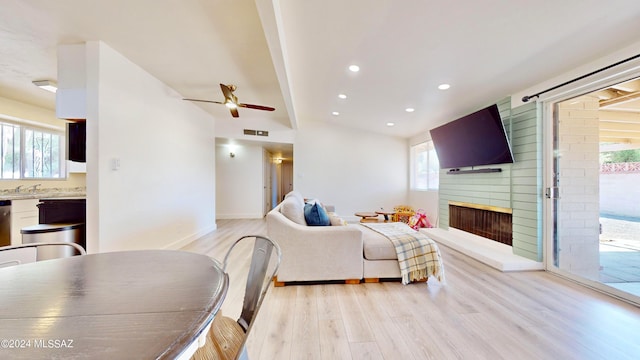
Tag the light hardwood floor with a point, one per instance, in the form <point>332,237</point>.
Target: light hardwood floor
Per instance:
<point>480,313</point>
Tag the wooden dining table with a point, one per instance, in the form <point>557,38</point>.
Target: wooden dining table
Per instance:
<point>146,304</point>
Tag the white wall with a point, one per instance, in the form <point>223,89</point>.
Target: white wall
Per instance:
<point>619,194</point>
<point>239,185</point>
<point>163,193</point>
<point>353,170</point>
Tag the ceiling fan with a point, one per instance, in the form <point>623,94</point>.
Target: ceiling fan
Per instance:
<point>231,101</point>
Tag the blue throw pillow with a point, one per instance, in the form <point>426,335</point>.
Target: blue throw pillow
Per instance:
<point>315,215</point>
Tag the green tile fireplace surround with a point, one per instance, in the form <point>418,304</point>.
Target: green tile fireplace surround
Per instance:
<point>517,187</point>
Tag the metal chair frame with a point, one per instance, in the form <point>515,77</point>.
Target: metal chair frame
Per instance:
<point>257,285</point>
<point>7,261</point>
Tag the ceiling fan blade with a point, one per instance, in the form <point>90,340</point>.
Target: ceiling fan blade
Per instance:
<point>226,90</point>
<point>234,112</point>
<point>257,107</point>
<point>207,101</point>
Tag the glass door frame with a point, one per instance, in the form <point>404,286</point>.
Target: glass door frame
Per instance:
<point>549,101</point>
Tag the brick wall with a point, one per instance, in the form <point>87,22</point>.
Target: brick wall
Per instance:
<point>579,170</point>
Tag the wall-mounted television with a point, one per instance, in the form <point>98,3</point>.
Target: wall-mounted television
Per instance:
<point>77,141</point>
<point>473,140</point>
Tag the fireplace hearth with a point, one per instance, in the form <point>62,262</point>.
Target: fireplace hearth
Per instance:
<point>490,222</point>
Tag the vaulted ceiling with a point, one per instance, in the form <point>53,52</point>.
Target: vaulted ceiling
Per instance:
<point>293,55</point>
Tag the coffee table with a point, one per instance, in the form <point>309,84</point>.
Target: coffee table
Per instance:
<point>367,216</point>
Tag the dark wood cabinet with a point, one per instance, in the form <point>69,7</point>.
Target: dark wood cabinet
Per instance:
<point>62,211</point>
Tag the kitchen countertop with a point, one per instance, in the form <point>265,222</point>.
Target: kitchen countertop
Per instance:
<point>42,195</point>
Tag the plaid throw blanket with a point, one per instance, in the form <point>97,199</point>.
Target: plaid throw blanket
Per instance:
<point>418,255</point>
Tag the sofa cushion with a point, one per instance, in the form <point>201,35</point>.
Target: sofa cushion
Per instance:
<point>315,215</point>
<point>377,246</point>
<point>293,209</point>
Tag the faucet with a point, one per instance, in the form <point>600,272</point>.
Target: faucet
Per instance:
<point>17,189</point>
<point>34,187</point>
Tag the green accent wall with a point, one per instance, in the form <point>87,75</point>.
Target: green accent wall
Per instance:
<point>518,186</point>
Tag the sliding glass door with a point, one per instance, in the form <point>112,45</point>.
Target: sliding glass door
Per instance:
<point>592,190</point>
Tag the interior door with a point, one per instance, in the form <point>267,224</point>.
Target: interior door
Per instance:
<point>267,160</point>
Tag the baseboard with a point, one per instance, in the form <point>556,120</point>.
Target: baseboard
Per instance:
<point>239,216</point>
<point>179,244</point>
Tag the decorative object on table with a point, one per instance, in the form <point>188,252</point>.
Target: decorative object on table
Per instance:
<point>419,220</point>
<point>388,215</point>
<point>403,213</point>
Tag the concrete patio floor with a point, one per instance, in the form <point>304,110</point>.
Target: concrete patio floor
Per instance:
<point>620,254</point>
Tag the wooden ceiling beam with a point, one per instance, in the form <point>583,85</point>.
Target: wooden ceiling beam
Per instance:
<point>618,126</point>
<point>619,135</point>
<point>620,116</point>
<point>620,99</point>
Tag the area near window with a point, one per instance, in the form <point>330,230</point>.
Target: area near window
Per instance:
<point>31,153</point>
<point>425,168</point>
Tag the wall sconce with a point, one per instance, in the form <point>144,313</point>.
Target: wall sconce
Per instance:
<point>277,161</point>
<point>232,154</point>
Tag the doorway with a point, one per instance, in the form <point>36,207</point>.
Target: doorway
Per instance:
<point>280,173</point>
<point>595,202</point>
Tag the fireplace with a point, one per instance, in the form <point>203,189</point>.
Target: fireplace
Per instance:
<point>490,222</point>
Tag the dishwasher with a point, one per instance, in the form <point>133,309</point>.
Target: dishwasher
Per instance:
<point>5,222</point>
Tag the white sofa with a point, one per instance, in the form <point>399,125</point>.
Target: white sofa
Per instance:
<point>348,253</point>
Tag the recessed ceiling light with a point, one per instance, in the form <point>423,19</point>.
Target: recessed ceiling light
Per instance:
<point>342,96</point>
<point>354,68</point>
<point>390,124</point>
<point>409,109</point>
<point>46,85</point>
<point>335,113</point>
<point>444,86</point>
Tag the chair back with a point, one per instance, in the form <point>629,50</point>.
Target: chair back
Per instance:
<point>258,280</point>
<point>27,253</point>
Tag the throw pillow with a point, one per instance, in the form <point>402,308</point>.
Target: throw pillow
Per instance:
<point>293,210</point>
<point>296,195</point>
<point>337,221</point>
<point>315,215</point>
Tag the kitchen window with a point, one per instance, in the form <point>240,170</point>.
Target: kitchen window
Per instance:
<point>31,153</point>
<point>425,167</point>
